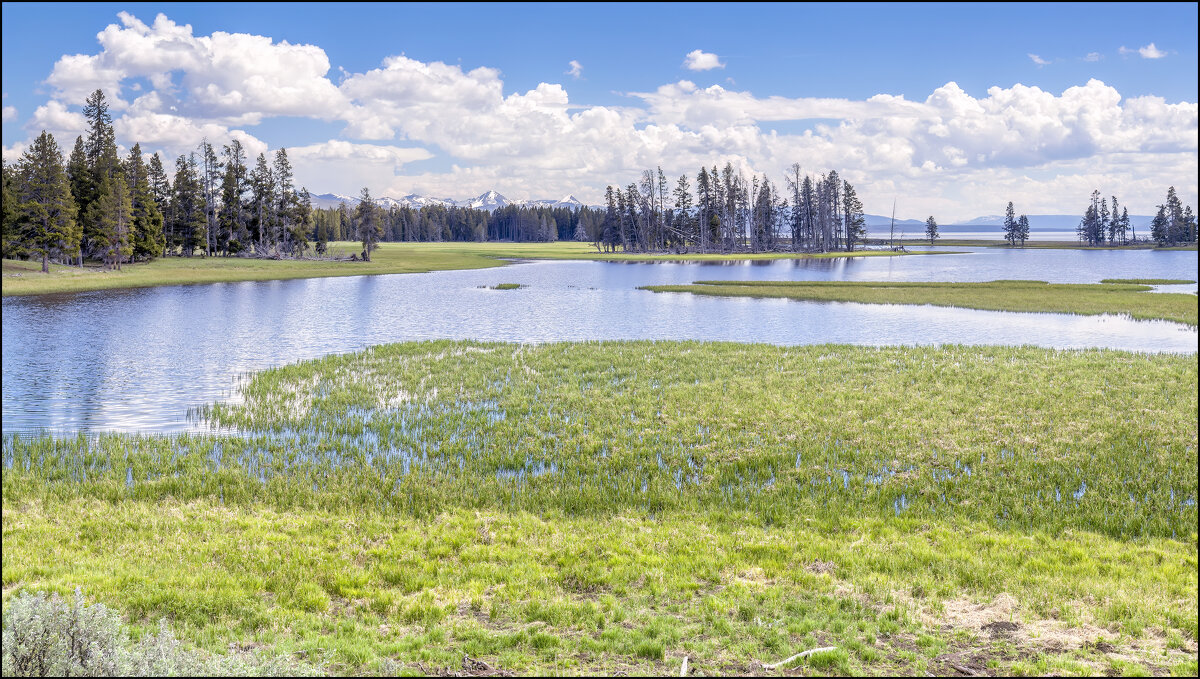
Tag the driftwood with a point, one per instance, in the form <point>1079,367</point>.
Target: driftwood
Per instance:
<point>799,656</point>
<point>965,670</point>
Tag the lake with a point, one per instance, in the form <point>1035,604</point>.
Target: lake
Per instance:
<point>137,359</point>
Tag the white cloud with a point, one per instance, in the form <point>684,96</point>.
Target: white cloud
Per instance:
<point>10,113</point>
<point>576,70</point>
<point>1147,52</point>
<point>228,77</point>
<point>1151,52</point>
<point>697,60</point>
<point>355,165</point>
<point>1038,60</point>
<point>951,153</point>
<point>1093,56</point>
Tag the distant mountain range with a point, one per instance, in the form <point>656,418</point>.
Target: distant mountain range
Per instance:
<point>489,200</point>
<point>492,200</point>
<point>993,222</point>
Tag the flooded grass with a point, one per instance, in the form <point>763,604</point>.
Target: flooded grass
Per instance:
<point>610,506</point>
<point>1111,297</point>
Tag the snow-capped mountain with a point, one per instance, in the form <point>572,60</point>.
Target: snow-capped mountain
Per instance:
<point>489,200</point>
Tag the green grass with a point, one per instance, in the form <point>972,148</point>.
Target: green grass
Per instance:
<point>1038,296</point>
<point>1033,245</point>
<point>506,286</point>
<point>1148,281</point>
<point>26,278</point>
<point>603,507</point>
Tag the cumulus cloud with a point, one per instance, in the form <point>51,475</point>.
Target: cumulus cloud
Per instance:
<point>951,153</point>
<point>1037,60</point>
<point>229,77</point>
<point>698,60</point>
<point>576,70</point>
<point>10,113</point>
<point>1151,52</point>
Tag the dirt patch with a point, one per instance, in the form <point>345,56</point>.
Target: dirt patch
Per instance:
<point>1001,628</point>
<point>819,566</point>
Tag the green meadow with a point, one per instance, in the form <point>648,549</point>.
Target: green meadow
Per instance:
<point>1113,296</point>
<point>440,507</point>
<point>26,278</point>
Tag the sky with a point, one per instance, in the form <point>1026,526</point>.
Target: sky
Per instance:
<point>949,110</point>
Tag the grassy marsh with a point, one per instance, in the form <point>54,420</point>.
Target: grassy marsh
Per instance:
<point>1111,297</point>
<point>1149,281</point>
<point>615,506</point>
<point>26,278</point>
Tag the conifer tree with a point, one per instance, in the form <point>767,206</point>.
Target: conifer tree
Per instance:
<point>100,151</point>
<point>83,185</point>
<point>1010,224</point>
<point>852,214</point>
<point>232,219</point>
<point>931,229</point>
<point>146,232</point>
<point>367,215</point>
<point>45,208</point>
<point>186,215</point>
<point>112,215</point>
<point>12,238</point>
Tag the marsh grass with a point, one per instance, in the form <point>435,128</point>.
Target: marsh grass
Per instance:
<point>26,278</point>
<point>1149,281</point>
<point>1111,297</point>
<point>602,506</point>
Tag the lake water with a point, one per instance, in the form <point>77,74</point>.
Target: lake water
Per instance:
<point>135,360</point>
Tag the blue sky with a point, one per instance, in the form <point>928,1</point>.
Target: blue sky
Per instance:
<point>795,83</point>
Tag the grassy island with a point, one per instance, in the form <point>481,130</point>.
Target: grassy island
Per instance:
<point>1112,297</point>
<point>445,507</point>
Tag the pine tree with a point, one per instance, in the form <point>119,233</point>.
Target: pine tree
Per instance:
<point>931,229</point>
<point>262,206</point>
<point>160,187</point>
<point>12,247</point>
<point>1010,224</point>
<point>1023,229</point>
<point>367,216</point>
<point>233,236</point>
<point>208,183</point>
<point>302,223</point>
<point>285,201</point>
<point>112,216</point>
<point>146,233</point>
<point>186,217</point>
<point>83,186</point>
<point>1160,227</point>
<point>852,215</point>
<point>100,151</point>
<point>45,208</point>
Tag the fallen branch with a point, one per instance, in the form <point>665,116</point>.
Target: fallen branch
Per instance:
<point>799,656</point>
<point>965,670</point>
<point>683,670</point>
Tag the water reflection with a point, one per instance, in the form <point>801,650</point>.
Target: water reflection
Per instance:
<point>137,359</point>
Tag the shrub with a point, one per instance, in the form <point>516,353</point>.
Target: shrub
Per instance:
<point>48,636</point>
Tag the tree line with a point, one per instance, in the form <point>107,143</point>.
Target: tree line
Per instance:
<point>729,213</point>
<point>1174,223</point>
